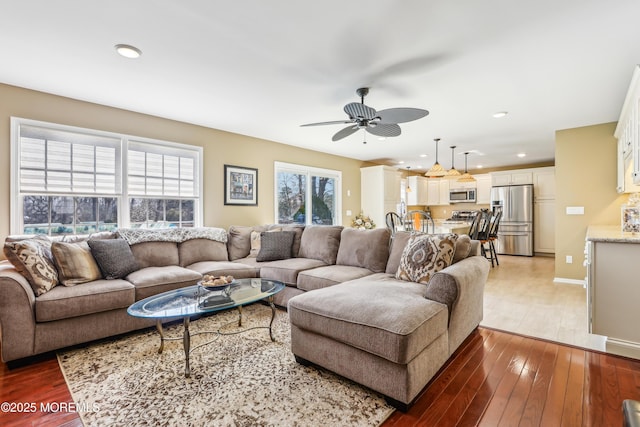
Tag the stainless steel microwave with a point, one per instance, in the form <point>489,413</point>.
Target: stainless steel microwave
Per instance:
<point>462,195</point>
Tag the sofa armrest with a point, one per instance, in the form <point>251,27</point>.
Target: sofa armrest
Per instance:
<point>469,276</point>
<point>17,314</point>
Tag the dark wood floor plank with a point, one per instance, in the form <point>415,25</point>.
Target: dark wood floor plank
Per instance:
<point>498,404</point>
<point>534,406</point>
<point>572,411</point>
<point>612,399</point>
<point>592,412</point>
<point>518,399</point>
<point>552,412</point>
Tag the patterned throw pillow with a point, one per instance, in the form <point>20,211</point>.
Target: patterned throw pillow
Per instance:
<point>276,245</point>
<point>114,257</point>
<point>424,255</point>
<point>32,258</point>
<point>75,263</point>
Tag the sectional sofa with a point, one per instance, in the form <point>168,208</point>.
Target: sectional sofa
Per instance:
<point>349,313</point>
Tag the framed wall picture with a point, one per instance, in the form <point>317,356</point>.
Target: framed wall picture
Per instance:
<point>240,186</point>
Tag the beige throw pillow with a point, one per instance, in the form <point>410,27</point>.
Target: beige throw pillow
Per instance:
<point>32,258</point>
<point>75,263</point>
<point>424,255</point>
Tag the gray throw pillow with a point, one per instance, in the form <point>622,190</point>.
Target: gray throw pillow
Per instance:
<point>275,245</point>
<point>114,257</point>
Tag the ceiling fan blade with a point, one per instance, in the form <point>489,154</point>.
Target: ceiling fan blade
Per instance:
<point>385,129</point>
<point>344,133</point>
<point>335,122</point>
<point>401,115</point>
<point>356,109</point>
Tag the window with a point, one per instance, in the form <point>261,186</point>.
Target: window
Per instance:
<point>72,180</point>
<point>301,189</point>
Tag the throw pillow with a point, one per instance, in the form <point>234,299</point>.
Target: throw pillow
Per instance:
<point>75,263</point>
<point>275,245</point>
<point>114,257</point>
<point>32,258</point>
<point>256,239</point>
<point>424,255</point>
<point>463,248</point>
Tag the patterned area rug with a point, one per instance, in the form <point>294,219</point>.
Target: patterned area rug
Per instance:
<point>238,380</point>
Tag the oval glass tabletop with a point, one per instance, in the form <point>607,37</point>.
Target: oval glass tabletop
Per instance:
<point>196,299</point>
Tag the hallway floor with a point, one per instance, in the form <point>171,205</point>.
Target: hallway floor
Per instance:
<point>521,297</point>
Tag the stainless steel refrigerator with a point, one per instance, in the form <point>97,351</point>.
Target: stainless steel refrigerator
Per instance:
<point>515,231</point>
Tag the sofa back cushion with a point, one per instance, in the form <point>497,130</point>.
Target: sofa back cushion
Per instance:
<point>364,248</point>
<point>156,254</point>
<point>463,248</point>
<point>239,240</point>
<point>399,241</point>
<point>197,250</point>
<point>320,242</point>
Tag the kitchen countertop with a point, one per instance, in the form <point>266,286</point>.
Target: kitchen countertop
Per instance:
<point>610,234</point>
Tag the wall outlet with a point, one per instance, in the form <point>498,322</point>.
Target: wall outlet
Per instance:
<point>569,259</point>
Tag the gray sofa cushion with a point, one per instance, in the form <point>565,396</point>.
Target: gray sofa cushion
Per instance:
<point>156,254</point>
<point>364,248</point>
<point>320,242</point>
<point>114,257</point>
<point>399,241</point>
<point>378,314</point>
<point>154,280</point>
<point>287,270</point>
<point>275,245</point>
<point>329,275</point>
<point>197,250</point>
<point>219,268</point>
<point>297,228</point>
<point>64,302</point>
<point>463,248</point>
<point>239,242</point>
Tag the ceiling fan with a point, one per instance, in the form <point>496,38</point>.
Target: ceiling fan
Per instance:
<point>382,123</point>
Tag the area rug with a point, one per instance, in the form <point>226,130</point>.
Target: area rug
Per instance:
<point>238,380</point>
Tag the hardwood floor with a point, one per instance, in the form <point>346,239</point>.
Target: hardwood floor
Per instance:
<point>501,379</point>
<point>494,379</point>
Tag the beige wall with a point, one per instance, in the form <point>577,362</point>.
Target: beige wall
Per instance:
<point>585,176</point>
<point>220,148</point>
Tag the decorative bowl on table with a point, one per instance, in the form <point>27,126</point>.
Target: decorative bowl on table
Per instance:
<point>213,283</point>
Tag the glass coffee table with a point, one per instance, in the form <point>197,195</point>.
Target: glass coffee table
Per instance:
<point>194,300</point>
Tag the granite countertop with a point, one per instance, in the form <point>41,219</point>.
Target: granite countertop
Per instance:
<point>610,234</point>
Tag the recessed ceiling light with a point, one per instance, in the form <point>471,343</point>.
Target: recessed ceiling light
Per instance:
<point>423,155</point>
<point>500,114</point>
<point>401,162</point>
<point>479,167</point>
<point>522,155</point>
<point>382,138</point>
<point>419,166</point>
<point>128,51</point>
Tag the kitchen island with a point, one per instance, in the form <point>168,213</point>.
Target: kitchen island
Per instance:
<point>613,288</point>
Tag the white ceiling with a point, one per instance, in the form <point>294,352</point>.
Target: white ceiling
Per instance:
<point>263,68</point>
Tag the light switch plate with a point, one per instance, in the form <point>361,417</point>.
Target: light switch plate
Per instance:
<point>348,213</point>
<point>575,210</point>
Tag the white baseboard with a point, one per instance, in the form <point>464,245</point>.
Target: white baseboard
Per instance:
<point>582,283</point>
<point>623,348</point>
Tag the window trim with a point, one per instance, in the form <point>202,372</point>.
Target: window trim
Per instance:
<point>308,170</point>
<point>16,207</point>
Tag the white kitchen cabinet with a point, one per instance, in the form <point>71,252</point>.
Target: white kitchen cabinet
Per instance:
<point>511,177</point>
<point>443,187</point>
<point>380,192</point>
<point>419,190</point>
<point>433,192</point>
<point>628,134</point>
<point>544,206</point>
<point>483,189</point>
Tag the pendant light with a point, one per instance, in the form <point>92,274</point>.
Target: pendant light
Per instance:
<point>436,170</point>
<point>408,189</point>
<point>466,177</point>
<point>453,171</point>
